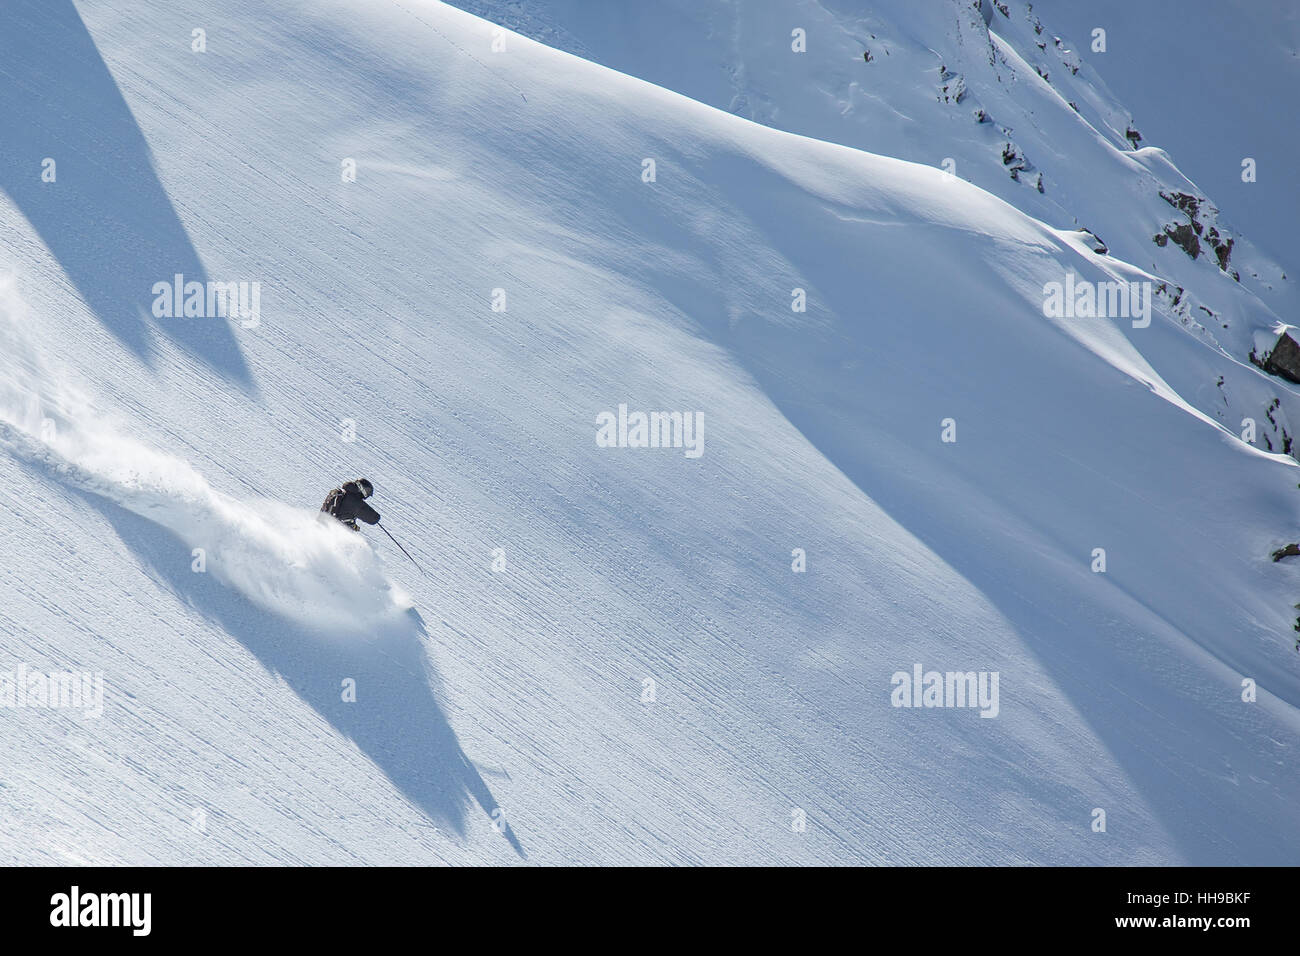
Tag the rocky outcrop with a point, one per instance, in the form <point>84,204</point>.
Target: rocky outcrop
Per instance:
<point>1014,159</point>
<point>1187,235</point>
<point>952,86</point>
<point>1282,360</point>
<point>1095,242</point>
<point>1183,235</point>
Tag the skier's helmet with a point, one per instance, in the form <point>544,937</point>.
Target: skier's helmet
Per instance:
<point>367,489</point>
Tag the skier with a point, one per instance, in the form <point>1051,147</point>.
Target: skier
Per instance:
<point>348,504</point>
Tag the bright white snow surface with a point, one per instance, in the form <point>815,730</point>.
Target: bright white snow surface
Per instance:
<point>506,715</point>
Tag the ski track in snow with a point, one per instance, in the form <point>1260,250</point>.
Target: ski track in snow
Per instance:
<point>284,559</point>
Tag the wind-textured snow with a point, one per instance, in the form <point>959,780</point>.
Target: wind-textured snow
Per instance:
<point>611,658</point>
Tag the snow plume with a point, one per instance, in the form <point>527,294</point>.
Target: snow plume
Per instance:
<point>284,559</point>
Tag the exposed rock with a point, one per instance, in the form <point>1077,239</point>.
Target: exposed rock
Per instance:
<point>1287,440</point>
<point>1184,236</point>
<point>1097,245</point>
<point>1283,360</point>
<point>1182,307</point>
<point>1222,249</point>
<point>1187,235</point>
<point>952,86</point>
<point>1014,160</point>
<point>1290,551</point>
<point>1183,203</point>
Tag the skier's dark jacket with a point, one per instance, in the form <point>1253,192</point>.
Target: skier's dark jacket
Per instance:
<point>348,504</point>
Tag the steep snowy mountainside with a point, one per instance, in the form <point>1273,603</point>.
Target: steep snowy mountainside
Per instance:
<point>612,658</point>
<point>996,94</point>
<point>1208,82</point>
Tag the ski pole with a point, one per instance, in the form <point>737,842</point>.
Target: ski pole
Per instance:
<point>400,548</point>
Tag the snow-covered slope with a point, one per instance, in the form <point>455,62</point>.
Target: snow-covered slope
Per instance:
<point>996,94</point>
<point>611,658</point>
<point>1209,84</point>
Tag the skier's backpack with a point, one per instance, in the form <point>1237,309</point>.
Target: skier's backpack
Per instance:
<point>332,500</point>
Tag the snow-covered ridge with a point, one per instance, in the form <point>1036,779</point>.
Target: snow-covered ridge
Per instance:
<point>985,90</point>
